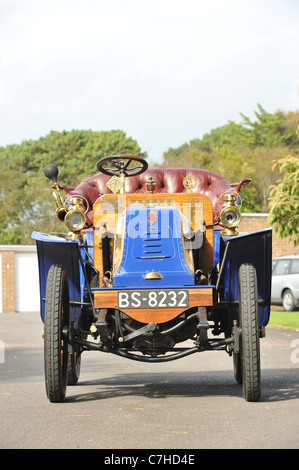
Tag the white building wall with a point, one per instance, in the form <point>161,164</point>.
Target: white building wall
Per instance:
<point>25,288</point>
<point>26,282</point>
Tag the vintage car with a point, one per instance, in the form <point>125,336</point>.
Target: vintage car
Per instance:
<point>152,268</point>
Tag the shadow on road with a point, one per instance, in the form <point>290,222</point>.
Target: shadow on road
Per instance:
<point>194,384</point>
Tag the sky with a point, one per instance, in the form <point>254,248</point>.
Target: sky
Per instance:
<point>163,71</point>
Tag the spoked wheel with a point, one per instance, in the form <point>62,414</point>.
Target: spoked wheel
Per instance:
<point>247,366</point>
<point>55,337</point>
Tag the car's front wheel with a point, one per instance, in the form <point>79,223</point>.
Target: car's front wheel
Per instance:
<point>56,324</point>
<point>288,301</point>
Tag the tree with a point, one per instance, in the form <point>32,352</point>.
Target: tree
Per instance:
<point>268,130</point>
<point>284,200</point>
<point>243,150</point>
<point>25,194</point>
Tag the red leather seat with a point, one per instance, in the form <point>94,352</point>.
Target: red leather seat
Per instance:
<point>168,180</point>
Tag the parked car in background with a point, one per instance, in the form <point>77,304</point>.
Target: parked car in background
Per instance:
<point>285,282</point>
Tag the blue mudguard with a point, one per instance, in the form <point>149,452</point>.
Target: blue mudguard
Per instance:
<point>256,249</point>
<point>56,250</point>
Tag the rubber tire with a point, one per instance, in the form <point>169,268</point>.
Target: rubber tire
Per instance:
<point>237,367</point>
<point>55,343</point>
<point>74,365</point>
<point>250,338</point>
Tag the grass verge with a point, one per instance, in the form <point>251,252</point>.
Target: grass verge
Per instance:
<point>283,318</point>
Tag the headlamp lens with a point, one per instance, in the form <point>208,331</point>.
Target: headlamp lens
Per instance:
<point>75,220</point>
<point>230,217</point>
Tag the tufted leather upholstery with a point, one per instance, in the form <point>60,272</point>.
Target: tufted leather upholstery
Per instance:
<point>168,180</point>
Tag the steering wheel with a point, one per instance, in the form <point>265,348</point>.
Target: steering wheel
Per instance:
<point>121,164</point>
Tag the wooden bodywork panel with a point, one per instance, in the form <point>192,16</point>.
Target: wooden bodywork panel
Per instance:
<point>195,207</point>
<point>107,298</point>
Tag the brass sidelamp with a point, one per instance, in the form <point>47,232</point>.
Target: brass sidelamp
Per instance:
<point>230,215</point>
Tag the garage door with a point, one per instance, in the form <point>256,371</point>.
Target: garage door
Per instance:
<point>26,282</point>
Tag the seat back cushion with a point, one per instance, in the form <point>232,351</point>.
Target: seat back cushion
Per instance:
<point>168,180</point>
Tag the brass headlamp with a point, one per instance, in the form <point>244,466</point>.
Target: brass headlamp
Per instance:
<point>75,218</point>
<point>230,215</point>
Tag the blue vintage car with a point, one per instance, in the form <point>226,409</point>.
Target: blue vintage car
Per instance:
<point>151,267</point>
